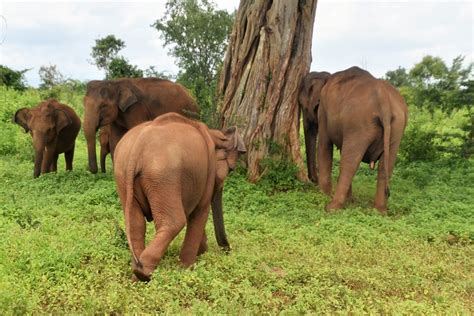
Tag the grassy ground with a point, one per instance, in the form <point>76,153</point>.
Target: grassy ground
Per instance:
<point>64,250</point>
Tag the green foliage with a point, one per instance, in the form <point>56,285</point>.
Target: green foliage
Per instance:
<point>50,77</point>
<point>105,50</point>
<point>12,78</point>
<point>398,77</point>
<point>198,35</point>
<point>433,86</point>
<point>64,249</point>
<point>119,67</point>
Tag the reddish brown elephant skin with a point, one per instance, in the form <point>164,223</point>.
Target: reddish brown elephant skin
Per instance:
<point>125,103</point>
<point>365,118</point>
<point>104,135</point>
<point>170,170</point>
<point>54,127</point>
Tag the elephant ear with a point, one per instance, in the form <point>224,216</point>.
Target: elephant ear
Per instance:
<point>237,142</point>
<point>22,117</point>
<point>127,97</point>
<point>62,119</point>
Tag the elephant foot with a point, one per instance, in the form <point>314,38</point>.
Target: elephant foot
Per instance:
<point>333,206</point>
<point>325,189</point>
<point>382,209</point>
<point>202,249</point>
<point>141,275</point>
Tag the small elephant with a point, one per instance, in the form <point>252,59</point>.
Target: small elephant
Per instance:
<point>54,127</point>
<point>365,118</point>
<point>171,170</point>
<point>104,140</point>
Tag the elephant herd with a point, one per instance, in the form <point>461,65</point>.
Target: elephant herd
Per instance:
<point>170,168</point>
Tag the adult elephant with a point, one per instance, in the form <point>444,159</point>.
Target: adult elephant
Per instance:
<point>308,99</point>
<point>365,118</point>
<point>125,103</point>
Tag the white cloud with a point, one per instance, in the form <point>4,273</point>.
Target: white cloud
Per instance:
<point>378,35</point>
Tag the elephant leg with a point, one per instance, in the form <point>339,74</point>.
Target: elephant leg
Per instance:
<point>137,230</point>
<point>169,220</point>
<point>115,135</point>
<point>351,156</point>
<point>103,155</point>
<point>194,235</point>
<point>203,244</point>
<point>54,163</point>
<point>325,152</point>
<point>69,157</point>
<point>381,196</point>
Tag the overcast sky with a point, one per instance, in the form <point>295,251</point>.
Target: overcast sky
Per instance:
<point>375,35</point>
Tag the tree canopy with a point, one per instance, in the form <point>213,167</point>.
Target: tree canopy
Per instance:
<point>12,78</point>
<point>105,55</point>
<point>197,34</point>
<point>432,84</point>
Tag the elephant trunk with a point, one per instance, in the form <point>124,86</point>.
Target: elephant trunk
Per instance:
<point>310,135</point>
<point>90,132</point>
<point>39,144</point>
<point>218,218</point>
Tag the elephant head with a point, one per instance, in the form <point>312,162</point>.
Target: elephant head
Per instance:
<point>308,98</point>
<point>102,103</point>
<point>43,122</point>
<point>229,145</point>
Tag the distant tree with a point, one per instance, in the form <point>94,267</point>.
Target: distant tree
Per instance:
<point>435,85</point>
<point>105,50</point>
<point>119,67</point>
<point>198,36</point>
<point>50,76</point>
<point>398,77</point>
<point>14,79</point>
<point>154,73</point>
<point>431,84</point>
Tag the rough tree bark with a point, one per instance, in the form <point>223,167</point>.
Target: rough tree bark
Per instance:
<point>269,53</point>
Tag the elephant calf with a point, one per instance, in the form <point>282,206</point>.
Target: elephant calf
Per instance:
<point>54,127</point>
<point>171,170</point>
<point>364,117</point>
<point>104,140</point>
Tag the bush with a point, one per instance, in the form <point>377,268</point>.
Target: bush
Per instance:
<point>12,78</point>
<point>418,145</point>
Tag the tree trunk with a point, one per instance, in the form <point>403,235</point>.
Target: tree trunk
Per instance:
<point>269,53</point>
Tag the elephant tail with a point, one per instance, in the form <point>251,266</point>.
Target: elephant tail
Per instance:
<point>131,171</point>
<point>387,130</point>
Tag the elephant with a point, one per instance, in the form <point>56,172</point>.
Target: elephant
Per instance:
<point>365,118</point>
<point>54,127</point>
<point>125,103</point>
<point>308,99</point>
<point>104,136</point>
<point>170,171</point>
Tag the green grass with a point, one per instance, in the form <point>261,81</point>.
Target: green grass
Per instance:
<point>64,250</point>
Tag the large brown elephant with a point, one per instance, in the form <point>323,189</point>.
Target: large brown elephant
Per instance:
<point>54,127</point>
<point>125,103</point>
<point>365,118</point>
<point>171,170</point>
<point>308,99</point>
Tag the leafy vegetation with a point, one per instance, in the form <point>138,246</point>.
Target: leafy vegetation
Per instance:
<point>198,35</point>
<point>64,249</point>
<point>12,78</point>
<point>433,87</point>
